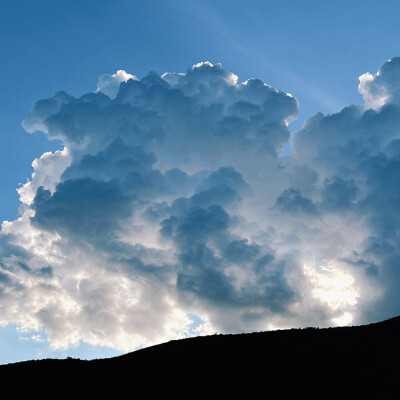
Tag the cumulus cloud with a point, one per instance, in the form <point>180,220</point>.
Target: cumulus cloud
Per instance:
<point>170,202</point>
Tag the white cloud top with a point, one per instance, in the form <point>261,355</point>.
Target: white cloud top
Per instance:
<point>381,88</point>
<point>109,84</point>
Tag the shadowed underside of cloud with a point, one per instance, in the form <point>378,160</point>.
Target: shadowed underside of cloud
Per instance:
<point>170,199</point>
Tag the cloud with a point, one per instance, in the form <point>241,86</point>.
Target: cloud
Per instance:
<point>170,200</point>
<point>338,194</point>
<point>81,207</point>
<point>383,87</point>
<point>292,201</point>
<point>109,84</point>
<point>356,153</point>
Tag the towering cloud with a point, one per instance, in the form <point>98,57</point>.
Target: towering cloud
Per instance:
<point>170,199</point>
<point>356,153</point>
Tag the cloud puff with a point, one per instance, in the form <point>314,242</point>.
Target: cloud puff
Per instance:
<point>170,200</point>
<point>109,84</point>
<point>383,87</point>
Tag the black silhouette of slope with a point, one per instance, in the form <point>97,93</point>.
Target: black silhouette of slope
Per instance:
<point>336,363</point>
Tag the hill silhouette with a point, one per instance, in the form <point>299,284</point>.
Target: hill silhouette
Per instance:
<point>333,363</point>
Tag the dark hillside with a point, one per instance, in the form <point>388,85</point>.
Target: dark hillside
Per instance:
<point>336,363</point>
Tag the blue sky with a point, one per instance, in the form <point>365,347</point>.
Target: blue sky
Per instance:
<point>314,50</point>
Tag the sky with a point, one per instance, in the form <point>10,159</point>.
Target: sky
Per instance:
<point>254,186</point>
